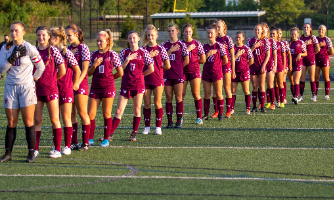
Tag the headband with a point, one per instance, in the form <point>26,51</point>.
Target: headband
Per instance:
<point>72,29</point>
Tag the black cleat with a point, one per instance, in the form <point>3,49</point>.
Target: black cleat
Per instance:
<point>220,117</point>
<point>254,109</point>
<point>84,147</point>
<point>177,125</point>
<point>169,125</point>
<point>133,137</point>
<point>205,117</point>
<point>6,158</point>
<point>263,110</point>
<point>74,146</point>
<point>31,157</point>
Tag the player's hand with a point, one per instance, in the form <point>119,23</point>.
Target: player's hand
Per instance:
<point>174,48</point>
<point>240,52</point>
<point>257,44</point>
<point>322,44</point>
<point>97,61</point>
<point>132,56</point>
<point>154,53</point>
<point>17,53</point>
<point>74,51</point>
<point>212,52</point>
<point>298,57</point>
<point>274,69</point>
<point>290,67</point>
<point>191,47</point>
<point>75,87</point>
<point>263,69</point>
<point>308,42</point>
<point>233,75</point>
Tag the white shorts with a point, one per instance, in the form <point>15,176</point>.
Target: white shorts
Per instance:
<point>19,96</point>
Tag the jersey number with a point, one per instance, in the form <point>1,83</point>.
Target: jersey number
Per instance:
<point>238,59</point>
<point>189,54</point>
<point>101,69</point>
<point>257,52</point>
<point>292,51</point>
<point>172,57</point>
<point>211,58</point>
<point>132,67</point>
<point>16,62</point>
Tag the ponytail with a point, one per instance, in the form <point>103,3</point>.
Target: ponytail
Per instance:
<point>59,32</point>
<point>145,41</point>
<point>77,30</point>
<point>107,33</point>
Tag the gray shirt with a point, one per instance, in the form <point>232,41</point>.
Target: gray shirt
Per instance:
<point>21,71</point>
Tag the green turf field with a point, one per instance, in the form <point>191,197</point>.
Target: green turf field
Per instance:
<point>286,153</point>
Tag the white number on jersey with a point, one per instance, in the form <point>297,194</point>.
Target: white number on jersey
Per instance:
<point>211,58</point>
<point>16,62</point>
<point>257,52</point>
<point>292,51</point>
<point>132,67</point>
<point>101,69</point>
<point>238,59</point>
<point>172,57</point>
<point>189,54</point>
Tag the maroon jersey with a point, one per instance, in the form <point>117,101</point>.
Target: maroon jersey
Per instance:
<point>213,64</point>
<point>156,77</point>
<point>280,50</point>
<point>103,77</point>
<point>241,63</point>
<point>259,53</point>
<point>310,48</point>
<point>273,47</point>
<point>297,47</point>
<point>133,78</point>
<point>47,84</point>
<point>323,53</point>
<point>193,65</point>
<point>65,83</point>
<point>176,60</point>
<point>287,50</point>
<point>228,44</point>
<point>81,53</point>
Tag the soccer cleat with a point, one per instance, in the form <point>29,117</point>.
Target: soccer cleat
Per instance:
<point>66,151</point>
<point>267,105</point>
<point>254,109</point>
<point>158,131</point>
<point>247,112</point>
<point>52,151</point>
<point>228,115</point>
<point>295,100</point>
<point>199,121</point>
<point>263,110</point>
<point>281,105</point>
<point>272,107</point>
<point>327,97</point>
<point>314,98</point>
<point>56,154</point>
<point>74,146</point>
<point>110,138</point>
<point>91,142</point>
<point>31,157</point>
<point>146,130</point>
<point>36,153</point>
<point>277,104</point>
<point>5,158</point>
<point>205,117</point>
<point>285,102</point>
<point>220,117</point>
<point>300,98</point>
<point>133,137</point>
<point>260,106</point>
<point>104,143</point>
<point>214,115</point>
<point>178,125</point>
<point>169,125</point>
<point>84,147</point>
<point>232,112</point>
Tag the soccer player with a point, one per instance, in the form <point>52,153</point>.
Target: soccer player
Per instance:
<point>271,68</point>
<point>102,89</point>
<point>298,50</point>
<point>260,47</point>
<point>281,65</point>
<point>212,73</point>
<point>154,82</point>
<point>18,59</point>
<point>81,53</point>
<point>288,56</point>
<point>243,59</point>
<point>191,72</point>
<point>229,67</point>
<point>312,47</point>
<point>133,61</point>
<point>47,89</point>
<point>66,84</point>
<point>322,60</point>
<point>173,78</point>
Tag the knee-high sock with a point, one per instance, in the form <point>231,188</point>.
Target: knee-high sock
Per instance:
<point>198,106</point>
<point>248,101</point>
<point>115,123</point>
<point>38,138</point>
<point>228,104</point>
<point>220,106</point>
<point>179,111</point>
<point>215,104</point>
<point>281,95</point>
<point>169,111</point>
<point>292,88</point>
<point>262,98</point>
<point>107,128</point>
<point>92,129</point>
<point>10,139</point>
<point>254,98</point>
<point>316,87</point>
<point>297,87</point>
<point>272,95</point>
<point>31,138</point>
<point>285,89</point>
<point>158,114</point>
<point>302,87</point>
<point>206,106</point>
<point>75,133</point>
<point>147,116</point>
<point>234,98</point>
<point>68,131</point>
<point>85,134</point>
<point>268,95</point>
<point>57,135</point>
<point>135,123</point>
<point>313,87</point>
<point>277,94</point>
<point>327,87</point>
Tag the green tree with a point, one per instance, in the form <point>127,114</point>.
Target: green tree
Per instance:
<point>247,5</point>
<point>282,11</point>
<point>191,21</point>
<point>127,26</point>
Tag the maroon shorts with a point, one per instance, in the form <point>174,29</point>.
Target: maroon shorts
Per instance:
<point>297,68</point>
<point>82,90</point>
<point>171,82</point>
<point>66,98</point>
<point>131,93</point>
<point>256,71</point>
<point>47,98</point>
<point>308,63</point>
<point>191,76</point>
<point>227,68</point>
<point>100,95</point>
<point>212,79</point>
<point>280,68</point>
<point>270,66</point>
<point>323,62</point>
<point>241,77</point>
<point>152,87</point>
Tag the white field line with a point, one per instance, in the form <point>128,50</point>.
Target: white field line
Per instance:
<point>172,177</point>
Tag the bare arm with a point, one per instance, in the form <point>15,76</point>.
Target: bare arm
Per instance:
<point>225,60</point>
<point>275,60</point>
<point>250,61</point>
<point>330,51</point>
<point>263,68</point>
<point>119,73</point>
<point>232,59</point>
<point>150,69</point>
<point>76,75</point>
<point>316,48</point>
<point>284,60</point>
<point>61,71</point>
<point>166,65</point>
<point>85,65</point>
<point>185,61</point>
<point>201,59</point>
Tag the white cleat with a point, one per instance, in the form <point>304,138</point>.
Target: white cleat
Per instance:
<point>327,97</point>
<point>232,112</point>
<point>36,153</point>
<point>52,151</point>
<point>56,154</point>
<point>66,151</point>
<point>146,130</point>
<point>158,131</point>
<point>314,98</point>
<point>300,98</point>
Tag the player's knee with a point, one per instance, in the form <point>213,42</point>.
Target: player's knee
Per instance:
<point>106,115</point>
<point>157,104</point>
